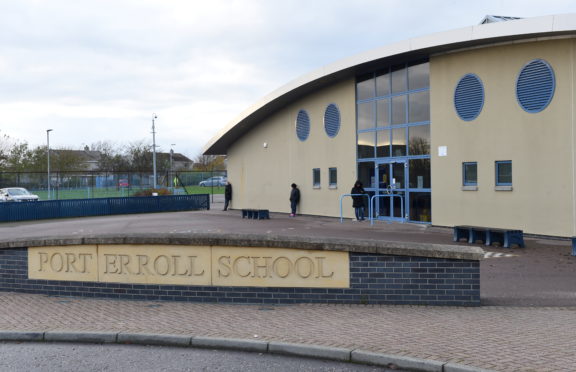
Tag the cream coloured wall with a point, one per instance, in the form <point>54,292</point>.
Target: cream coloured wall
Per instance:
<point>541,145</point>
<point>261,176</point>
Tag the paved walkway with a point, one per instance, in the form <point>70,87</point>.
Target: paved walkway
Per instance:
<point>497,338</point>
<point>533,328</point>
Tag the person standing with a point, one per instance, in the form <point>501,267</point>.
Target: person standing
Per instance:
<point>227,195</point>
<point>294,199</point>
<point>358,202</point>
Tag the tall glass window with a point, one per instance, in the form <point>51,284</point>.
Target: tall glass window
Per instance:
<point>383,112</point>
<point>419,140</point>
<point>366,145</point>
<point>393,131</point>
<point>365,115</point>
<point>399,110</point>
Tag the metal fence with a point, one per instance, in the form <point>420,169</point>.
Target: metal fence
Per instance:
<point>97,184</point>
<point>14,211</point>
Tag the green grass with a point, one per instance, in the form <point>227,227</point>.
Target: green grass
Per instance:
<point>113,192</point>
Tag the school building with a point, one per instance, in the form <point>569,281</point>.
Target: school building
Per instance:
<point>474,126</point>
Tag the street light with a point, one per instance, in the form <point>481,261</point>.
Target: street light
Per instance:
<point>154,116</point>
<point>48,151</point>
<point>171,156</point>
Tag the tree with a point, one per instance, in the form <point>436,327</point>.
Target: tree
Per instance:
<point>208,163</point>
<point>140,156</point>
<point>5,144</point>
<point>65,159</point>
<point>112,158</point>
<point>19,158</point>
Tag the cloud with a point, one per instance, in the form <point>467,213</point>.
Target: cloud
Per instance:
<point>96,70</point>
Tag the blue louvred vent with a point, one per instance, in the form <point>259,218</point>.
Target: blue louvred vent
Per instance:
<point>469,97</point>
<point>302,125</point>
<point>332,120</point>
<point>535,86</point>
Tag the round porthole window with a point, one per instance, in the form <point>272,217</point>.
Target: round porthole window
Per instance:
<point>469,97</point>
<point>332,120</point>
<point>535,86</point>
<point>302,125</point>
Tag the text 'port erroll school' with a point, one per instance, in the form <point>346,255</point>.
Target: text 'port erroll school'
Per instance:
<point>475,126</point>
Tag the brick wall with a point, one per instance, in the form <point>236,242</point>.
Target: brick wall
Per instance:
<point>375,279</point>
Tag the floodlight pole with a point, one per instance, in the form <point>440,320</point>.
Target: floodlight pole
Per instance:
<point>48,155</point>
<point>171,157</point>
<point>154,116</point>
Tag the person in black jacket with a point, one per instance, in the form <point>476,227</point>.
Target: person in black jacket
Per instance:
<point>227,195</point>
<point>294,199</point>
<point>358,200</point>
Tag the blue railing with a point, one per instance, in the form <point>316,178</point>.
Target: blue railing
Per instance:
<point>13,211</point>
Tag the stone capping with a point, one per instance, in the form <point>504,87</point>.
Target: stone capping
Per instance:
<point>393,248</point>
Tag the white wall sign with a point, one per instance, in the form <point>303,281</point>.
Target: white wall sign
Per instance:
<point>442,150</point>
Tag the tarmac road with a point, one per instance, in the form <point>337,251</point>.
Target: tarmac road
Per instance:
<point>64,357</point>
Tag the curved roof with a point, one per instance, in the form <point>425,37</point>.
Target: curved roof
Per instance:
<point>424,46</point>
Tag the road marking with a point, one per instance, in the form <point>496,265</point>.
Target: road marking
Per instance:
<point>498,255</point>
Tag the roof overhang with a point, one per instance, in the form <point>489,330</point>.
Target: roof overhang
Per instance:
<point>415,48</point>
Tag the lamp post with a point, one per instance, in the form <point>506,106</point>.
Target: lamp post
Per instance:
<point>171,156</point>
<point>48,155</point>
<point>154,116</point>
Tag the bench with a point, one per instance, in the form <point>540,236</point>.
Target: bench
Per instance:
<point>489,235</point>
<point>256,214</point>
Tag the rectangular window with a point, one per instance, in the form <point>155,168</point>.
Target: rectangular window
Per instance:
<point>332,178</point>
<point>316,178</point>
<point>504,173</point>
<point>418,76</point>
<point>419,140</point>
<point>383,113</point>
<point>366,173</point>
<point>419,107</point>
<point>470,174</point>
<point>365,115</point>
<point>399,142</point>
<point>366,143</point>
<point>383,143</point>
<point>365,87</point>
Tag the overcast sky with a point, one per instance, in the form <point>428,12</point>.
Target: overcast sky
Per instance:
<point>97,70</point>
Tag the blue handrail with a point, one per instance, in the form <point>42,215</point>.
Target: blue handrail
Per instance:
<point>366,195</point>
<point>374,197</point>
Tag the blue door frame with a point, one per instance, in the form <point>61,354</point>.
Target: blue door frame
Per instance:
<point>392,176</point>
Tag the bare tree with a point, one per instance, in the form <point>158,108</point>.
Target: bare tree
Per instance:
<point>209,162</point>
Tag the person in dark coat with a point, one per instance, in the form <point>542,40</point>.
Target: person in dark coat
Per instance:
<point>358,200</point>
<point>294,199</point>
<point>227,195</point>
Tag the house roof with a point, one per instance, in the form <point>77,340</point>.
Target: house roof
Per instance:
<point>420,47</point>
<point>85,156</point>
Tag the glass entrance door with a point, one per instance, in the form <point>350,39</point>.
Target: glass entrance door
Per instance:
<point>391,199</point>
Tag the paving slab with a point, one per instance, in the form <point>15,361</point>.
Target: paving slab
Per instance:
<point>499,338</point>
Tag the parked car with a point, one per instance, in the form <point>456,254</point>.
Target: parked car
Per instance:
<point>16,194</point>
<point>213,181</point>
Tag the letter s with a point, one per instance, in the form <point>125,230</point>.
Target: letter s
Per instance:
<point>224,263</point>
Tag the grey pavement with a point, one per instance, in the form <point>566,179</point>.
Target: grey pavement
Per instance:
<point>527,323</point>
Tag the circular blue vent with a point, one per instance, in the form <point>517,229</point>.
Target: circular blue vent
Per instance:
<point>332,120</point>
<point>535,86</point>
<point>469,97</point>
<point>302,125</point>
